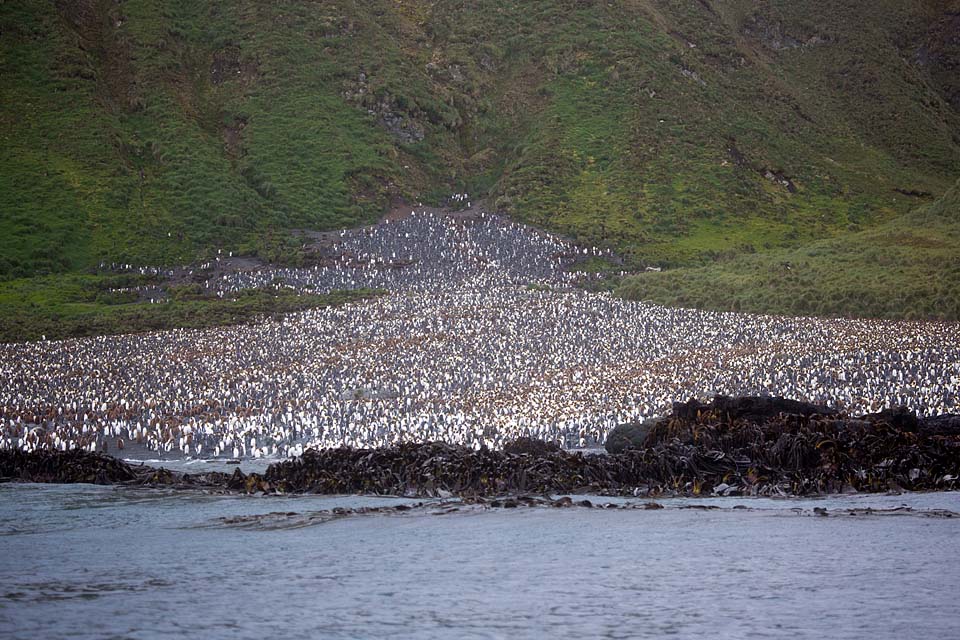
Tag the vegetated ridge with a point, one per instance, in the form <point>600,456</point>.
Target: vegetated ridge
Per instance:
<point>908,267</point>
<point>681,133</point>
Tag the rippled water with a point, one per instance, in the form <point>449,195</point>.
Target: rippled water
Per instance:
<point>94,562</point>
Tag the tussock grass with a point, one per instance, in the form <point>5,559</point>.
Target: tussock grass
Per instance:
<point>906,268</point>
<point>151,132</point>
<point>74,306</point>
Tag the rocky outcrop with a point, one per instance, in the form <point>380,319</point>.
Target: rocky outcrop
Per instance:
<point>63,467</point>
<point>751,408</point>
<point>530,446</point>
<point>79,466</point>
<point>769,410</point>
<point>773,34</point>
<point>948,425</point>
<point>631,435</point>
<point>404,124</point>
<point>789,454</point>
<point>899,418</point>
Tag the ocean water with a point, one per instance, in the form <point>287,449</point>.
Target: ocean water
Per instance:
<point>84,561</point>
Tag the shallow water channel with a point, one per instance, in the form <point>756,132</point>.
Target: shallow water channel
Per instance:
<point>83,561</point>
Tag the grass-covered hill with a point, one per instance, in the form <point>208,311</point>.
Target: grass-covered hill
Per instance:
<point>683,132</point>
<point>908,267</point>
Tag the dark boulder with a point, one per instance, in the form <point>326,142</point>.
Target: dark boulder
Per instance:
<point>631,435</point>
<point>945,425</point>
<point>531,446</point>
<point>238,481</point>
<point>900,418</point>
<point>847,426</point>
<point>75,465</point>
<point>750,408</point>
<point>689,410</point>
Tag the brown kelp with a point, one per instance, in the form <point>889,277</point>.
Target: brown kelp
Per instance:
<point>63,467</point>
<point>732,446</point>
<point>79,466</point>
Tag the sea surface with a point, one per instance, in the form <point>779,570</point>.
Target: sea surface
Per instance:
<point>85,561</point>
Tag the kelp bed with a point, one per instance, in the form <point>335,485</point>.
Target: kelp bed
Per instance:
<point>79,466</point>
<point>729,447</point>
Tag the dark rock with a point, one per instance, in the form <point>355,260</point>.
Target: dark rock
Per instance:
<point>238,481</point>
<point>852,425</point>
<point>530,446</point>
<point>77,465</point>
<point>632,435</point>
<point>761,407</point>
<point>71,466</point>
<point>775,35</point>
<point>913,193</point>
<point>899,418</point>
<point>402,128</point>
<point>946,425</point>
<point>750,408</point>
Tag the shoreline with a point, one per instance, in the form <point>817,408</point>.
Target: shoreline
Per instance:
<point>748,446</point>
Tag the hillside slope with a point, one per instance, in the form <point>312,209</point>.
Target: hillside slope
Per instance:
<point>908,267</point>
<point>680,132</point>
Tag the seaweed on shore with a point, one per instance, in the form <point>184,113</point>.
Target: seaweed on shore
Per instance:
<point>80,466</point>
<point>729,447</point>
<point>63,467</point>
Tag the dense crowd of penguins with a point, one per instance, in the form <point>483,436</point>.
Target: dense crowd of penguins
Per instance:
<point>482,339</point>
<point>428,253</point>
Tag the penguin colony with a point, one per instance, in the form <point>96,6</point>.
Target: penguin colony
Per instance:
<point>483,338</point>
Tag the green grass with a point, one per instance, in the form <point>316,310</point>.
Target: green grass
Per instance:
<point>73,306</point>
<point>908,268</point>
<point>633,152</point>
<point>151,132</point>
